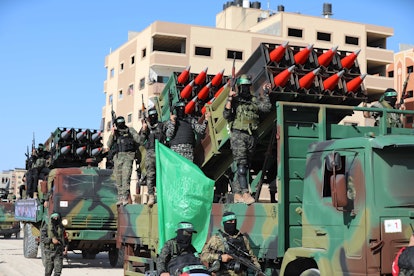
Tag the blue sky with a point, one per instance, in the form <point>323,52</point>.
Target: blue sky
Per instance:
<point>52,54</point>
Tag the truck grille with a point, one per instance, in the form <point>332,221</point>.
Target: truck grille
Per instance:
<point>95,223</point>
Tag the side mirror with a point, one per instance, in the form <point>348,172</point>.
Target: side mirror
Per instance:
<point>339,191</point>
<point>333,161</point>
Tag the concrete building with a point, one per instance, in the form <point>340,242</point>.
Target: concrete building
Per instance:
<point>399,70</point>
<point>11,181</point>
<point>139,68</point>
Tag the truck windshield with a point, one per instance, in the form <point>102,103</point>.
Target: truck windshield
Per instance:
<point>88,185</point>
<point>393,176</point>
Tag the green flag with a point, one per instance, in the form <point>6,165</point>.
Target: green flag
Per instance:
<point>184,193</point>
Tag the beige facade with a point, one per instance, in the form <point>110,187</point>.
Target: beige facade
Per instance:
<point>148,58</point>
<point>12,180</point>
<point>399,70</point>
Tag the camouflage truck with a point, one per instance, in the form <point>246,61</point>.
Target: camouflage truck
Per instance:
<point>8,224</point>
<point>82,193</point>
<point>344,194</point>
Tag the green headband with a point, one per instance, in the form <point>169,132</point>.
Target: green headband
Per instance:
<point>54,215</point>
<point>228,217</point>
<point>185,226</point>
<point>390,94</point>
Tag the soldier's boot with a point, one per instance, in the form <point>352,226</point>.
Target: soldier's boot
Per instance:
<point>151,200</point>
<point>248,199</point>
<point>238,198</point>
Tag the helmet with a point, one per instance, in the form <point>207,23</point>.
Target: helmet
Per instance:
<point>40,146</point>
<point>187,226</point>
<point>244,79</point>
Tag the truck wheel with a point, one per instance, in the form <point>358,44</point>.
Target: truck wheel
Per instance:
<point>311,272</point>
<point>116,257</point>
<point>29,242</point>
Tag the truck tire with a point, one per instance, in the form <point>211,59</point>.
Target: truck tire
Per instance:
<point>30,245</point>
<point>311,272</point>
<point>116,257</point>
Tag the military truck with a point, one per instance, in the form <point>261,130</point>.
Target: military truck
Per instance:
<point>82,193</point>
<point>344,193</point>
<point>8,224</point>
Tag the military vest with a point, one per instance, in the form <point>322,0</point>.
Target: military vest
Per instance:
<point>184,133</point>
<point>155,133</point>
<point>247,116</point>
<point>125,141</point>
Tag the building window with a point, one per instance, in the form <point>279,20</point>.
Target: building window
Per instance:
<point>168,43</point>
<point>295,32</point>
<point>162,79</point>
<point>112,73</point>
<point>129,118</point>
<point>391,74</point>
<point>409,69</point>
<point>351,40</point>
<point>203,51</point>
<point>141,83</point>
<point>132,60</point>
<point>121,67</point>
<point>231,54</point>
<point>323,36</point>
<point>120,95</point>
<point>108,126</point>
<point>144,52</point>
<point>110,99</point>
<point>131,89</point>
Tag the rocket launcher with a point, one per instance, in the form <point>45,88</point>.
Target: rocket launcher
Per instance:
<point>199,80</point>
<point>183,77</point>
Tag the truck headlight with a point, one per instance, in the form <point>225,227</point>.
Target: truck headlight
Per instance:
<point>65,222</point>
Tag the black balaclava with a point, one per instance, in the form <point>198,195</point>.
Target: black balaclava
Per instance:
<point>120,123</point>
<point>183,239</point>
<point>153,117</point>
<point>244,91</point>
<point>180,111</point>
<point>230,227</point>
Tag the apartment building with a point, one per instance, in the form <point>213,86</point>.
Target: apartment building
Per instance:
<point>139,68</point>
<point>401,70</point>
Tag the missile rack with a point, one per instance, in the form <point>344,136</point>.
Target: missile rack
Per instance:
<point>74,147</point>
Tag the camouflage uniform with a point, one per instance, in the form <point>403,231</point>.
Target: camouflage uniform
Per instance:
<point>406,262</point>
<point>393,119</point>
<point>243,118</point>
<point>37,171</point>
<point>181,135</point>
<point>148,137</point>
<point>216,247</point>
<point>53,252</point>
<point>174,257</point>
<point>124,158</point>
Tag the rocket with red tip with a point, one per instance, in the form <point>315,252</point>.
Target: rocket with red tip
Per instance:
<point>306,81</point>
<point>186,92</point>
<point>349,60</point>
<point>277,53</point>
<point>203,94</point>
<point>189,107</point>
<point>354,84</point>
<point>216,81</point>
<point>183,77</point>
<point>301,56</point>
<point>332,81</point>
<point>326,58</point>
<point>203,110</point>
<point>201,77</point>
<point>282,78</point>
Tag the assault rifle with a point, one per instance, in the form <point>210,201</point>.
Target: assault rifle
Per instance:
<point>113,115</point>
<point>242,257</point>
<point>404,91</point>
<point>233,73</point>
<point>141,113</point>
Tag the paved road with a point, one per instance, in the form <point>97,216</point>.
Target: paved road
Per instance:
<point>13,263</point>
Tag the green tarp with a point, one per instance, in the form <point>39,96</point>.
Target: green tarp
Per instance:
<point>184,193</point>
